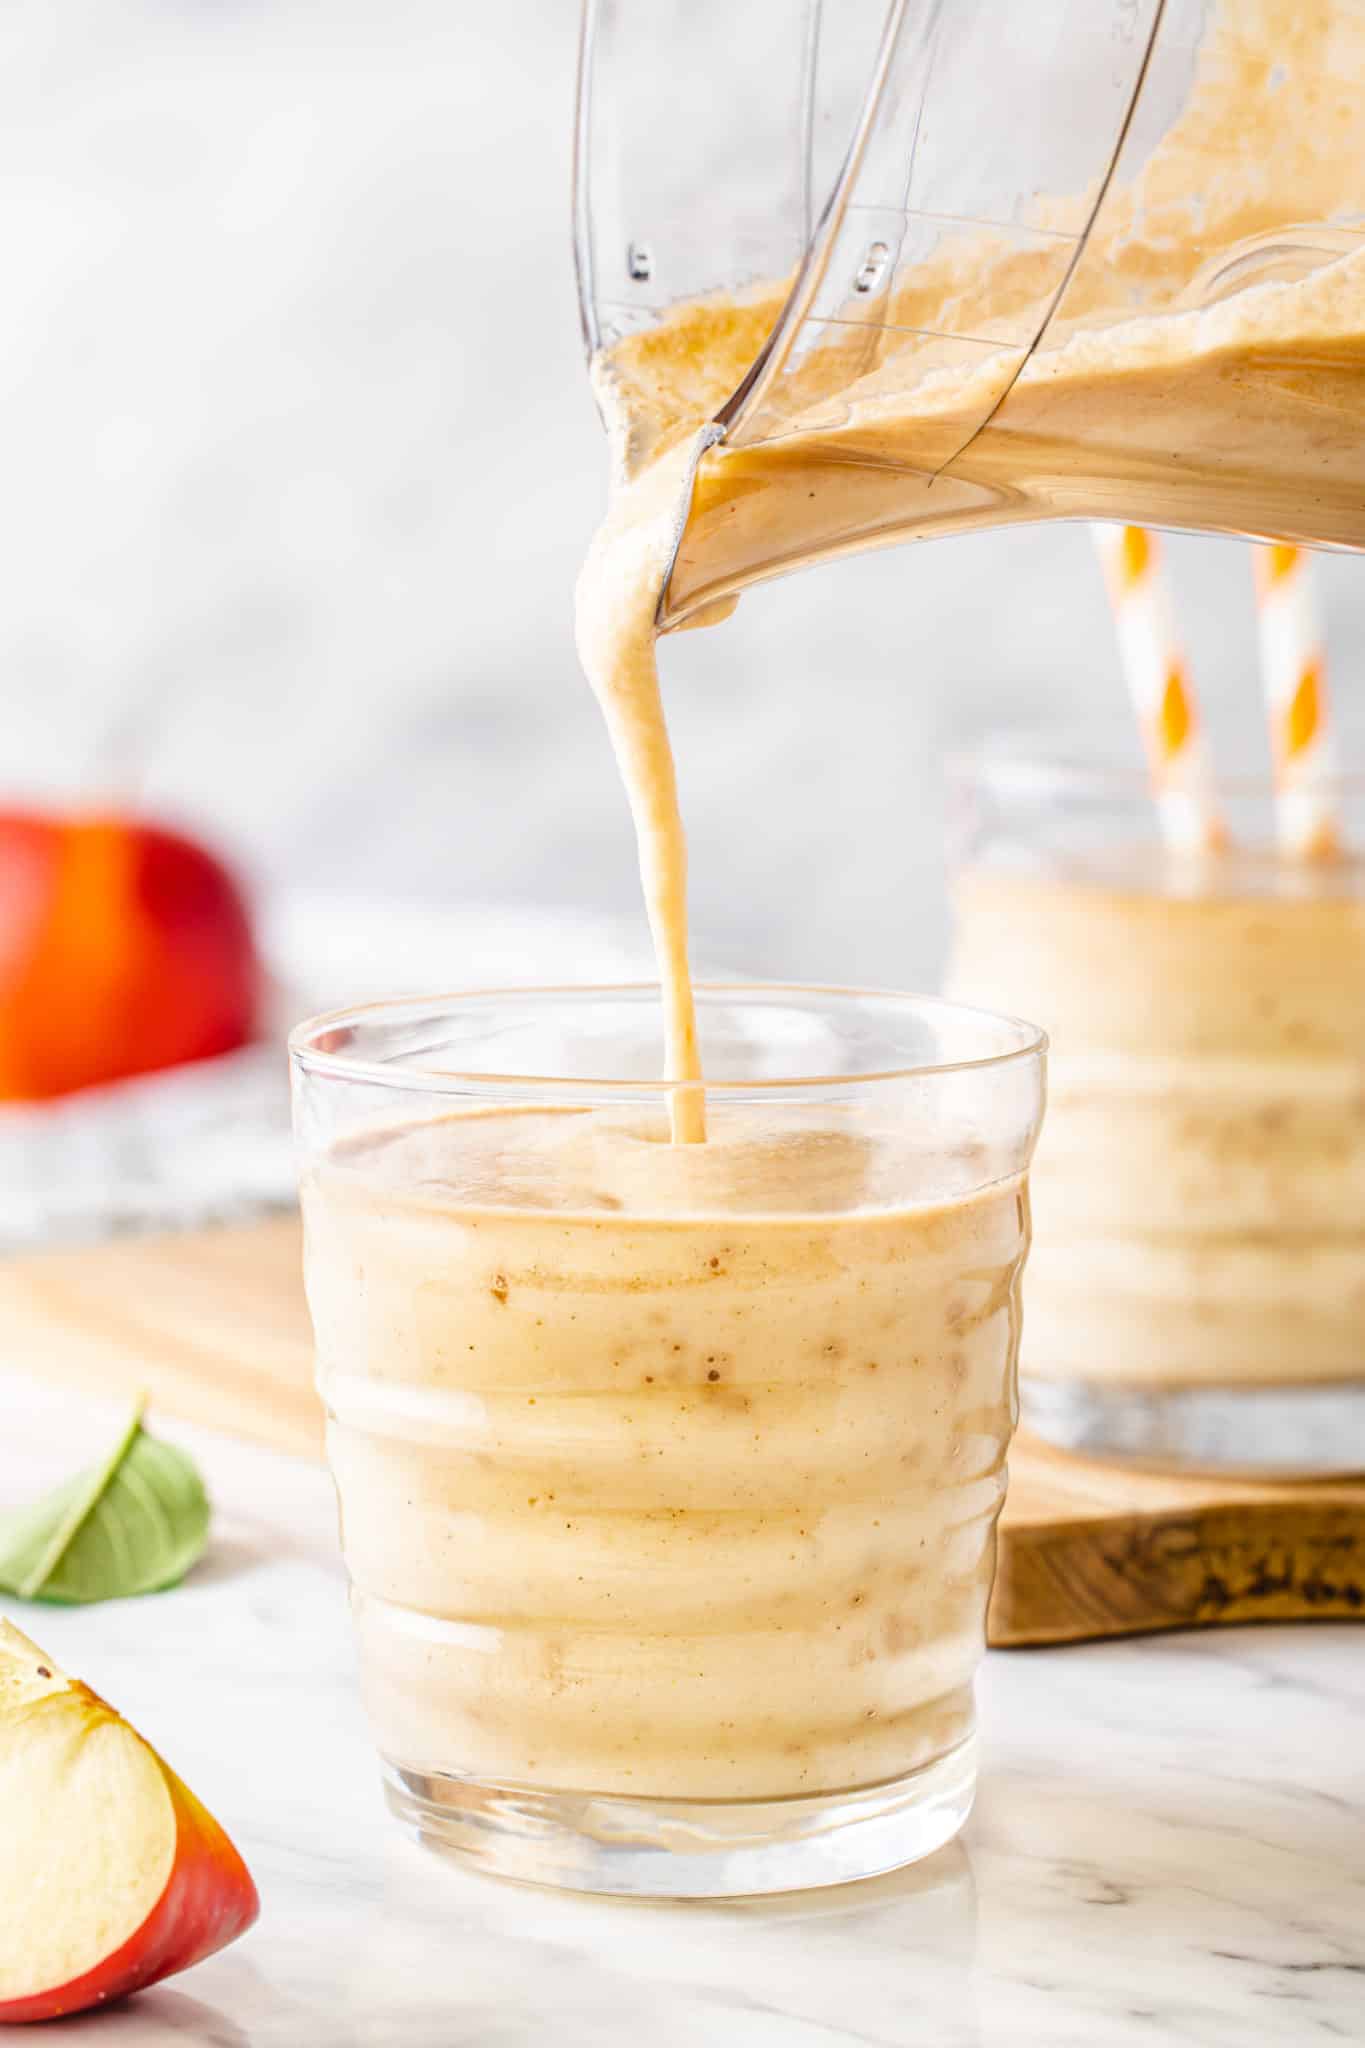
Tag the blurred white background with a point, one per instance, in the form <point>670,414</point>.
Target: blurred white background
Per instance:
<point>299,461</point>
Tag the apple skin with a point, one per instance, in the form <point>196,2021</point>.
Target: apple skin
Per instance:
<point>124,948</point>
<point>208,1899</point>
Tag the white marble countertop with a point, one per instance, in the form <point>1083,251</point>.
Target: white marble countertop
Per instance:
<point>1169,1846</point>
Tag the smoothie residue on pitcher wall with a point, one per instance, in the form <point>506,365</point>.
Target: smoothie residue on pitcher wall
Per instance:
<point>1154,398</point>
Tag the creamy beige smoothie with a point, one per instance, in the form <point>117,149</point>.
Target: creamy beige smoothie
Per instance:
<point>1200,1187</point>
<point>667,1471</point>
<point>669,1459</point>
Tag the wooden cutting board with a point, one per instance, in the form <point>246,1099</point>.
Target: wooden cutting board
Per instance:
<point>213,1325</point>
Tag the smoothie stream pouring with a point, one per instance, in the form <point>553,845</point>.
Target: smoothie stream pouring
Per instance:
<point>903,269</point>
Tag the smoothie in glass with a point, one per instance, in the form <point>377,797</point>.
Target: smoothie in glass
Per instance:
<point>669,1474</point>
<point>1197,1288</point>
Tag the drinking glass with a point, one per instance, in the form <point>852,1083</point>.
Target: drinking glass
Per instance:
<point>1197,1287</point>
<point>668,1474</point>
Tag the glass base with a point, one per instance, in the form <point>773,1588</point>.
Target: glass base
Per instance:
<point>687,1848</point>
<point>1310,1432</point>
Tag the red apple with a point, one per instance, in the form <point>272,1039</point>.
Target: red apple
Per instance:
<point>112,1875</point>
<point>123,948</point>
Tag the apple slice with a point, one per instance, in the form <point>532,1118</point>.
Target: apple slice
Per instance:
<point>112,1875</point>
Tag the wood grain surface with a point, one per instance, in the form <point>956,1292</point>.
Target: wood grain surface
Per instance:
<point>212,1324</point>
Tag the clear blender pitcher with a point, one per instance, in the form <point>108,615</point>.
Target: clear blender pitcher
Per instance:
<point>936,264</point>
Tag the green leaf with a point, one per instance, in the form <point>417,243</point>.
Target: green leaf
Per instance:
<point>134,1523</point>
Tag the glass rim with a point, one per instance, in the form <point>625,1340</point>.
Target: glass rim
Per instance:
<point>1055,770</point>
<point>308,1057</point>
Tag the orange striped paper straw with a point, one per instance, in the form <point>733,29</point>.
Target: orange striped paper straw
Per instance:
<point>1159,685</point>
<point>1297,711</point>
